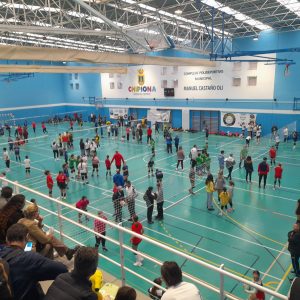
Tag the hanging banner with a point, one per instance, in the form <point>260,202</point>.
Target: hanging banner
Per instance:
<point>237,120</point>
<point>154,115</point>
<point>232,80</point>
<point>116,113</point>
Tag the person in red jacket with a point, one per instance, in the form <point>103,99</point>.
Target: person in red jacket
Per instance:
<point>263,170</point>
<point>49,181</point>
<point>61,180</point>
<point>278,174</point>
<point>149,135</point>
<point>137,227</point>
<point>118,158</point>
<point>71,125</point>
<point>272,154</point>
<point>108,166</point>
<point>82,204</point>
<point>33,124</point>
<point>44,128</point>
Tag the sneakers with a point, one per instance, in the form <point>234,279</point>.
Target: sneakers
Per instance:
<point>220,214</point>
<point>138,264</point>
<point>104,249</point>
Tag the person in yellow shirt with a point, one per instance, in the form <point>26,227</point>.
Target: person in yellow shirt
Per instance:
<point>224,200</point>
<point>209,190</point>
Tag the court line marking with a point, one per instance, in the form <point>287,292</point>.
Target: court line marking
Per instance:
<point>283,280</point>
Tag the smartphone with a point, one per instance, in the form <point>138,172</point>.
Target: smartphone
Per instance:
<point>28,247</point>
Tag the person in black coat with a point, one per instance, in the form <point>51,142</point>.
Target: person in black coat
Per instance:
<point>149,197</point>
<point>118,198</point>
<point>76,284</point>
<point>27,268</point>
<point>248,165</point>
<point>294,247</point>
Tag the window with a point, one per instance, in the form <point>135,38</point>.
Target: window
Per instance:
<point>70,76</point>
<point>71,86</point>
<point>174,83</point>
<point>111,75</point>
<point>236,81</point>
<point>252,80</point>
<point>164,70</point>
<point>237,66</point>
<point>76,76</point>
<point>120,85</point>
<point>164,84</point>
<point>253,65</point>
<point>77,86</point>
<point>112,85</point>
<point>175,70</point>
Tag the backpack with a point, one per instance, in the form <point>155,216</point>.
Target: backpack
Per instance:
<point>6,290</point>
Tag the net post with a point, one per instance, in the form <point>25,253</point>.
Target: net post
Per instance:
<point>122,259</point>
<point>222,283</point>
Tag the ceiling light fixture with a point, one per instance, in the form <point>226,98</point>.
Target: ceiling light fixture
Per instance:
<point>178,12</point>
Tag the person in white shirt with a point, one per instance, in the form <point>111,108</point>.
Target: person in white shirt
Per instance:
<point>87,148</point>
<point>108,128</point>
<point>83,171</point>
<point>27,166</point>
<point>285,134</point>
<point>176,288</point>
<point>248,139</point>
<point>93,147</point>
<point>194,153</point>
<point>6,159</point>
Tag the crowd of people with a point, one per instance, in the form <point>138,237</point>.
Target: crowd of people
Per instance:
<point>79,167</point>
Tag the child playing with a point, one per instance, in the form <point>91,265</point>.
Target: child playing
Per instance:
<point>44,128</point>
<point>72,163</point>
<point>66,172</point>
<point>150,166</point>
<point>100,227</point>
<point>278,174</point>
<point>95,165</point>
<point>108,166</point>
<point>27,165</point>
<point>137,227</point>
<point>17,152</point>
<point>272,154</point>
<point>230,192</point>
<point>224,200</point>
<point>125,172</point>
<point>255,294</point>
<point>82,204</point>
<point>152,143</point>
<point>49,182</point>
<point>6,159</point>
<point>3,180</point>
<point>192,175</point>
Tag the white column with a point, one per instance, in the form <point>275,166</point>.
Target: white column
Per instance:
<point>185,119</point>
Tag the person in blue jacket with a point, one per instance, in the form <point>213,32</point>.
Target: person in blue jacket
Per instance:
<point>176,142</point>
<point>169,143</point>
<point>118,178</point>
<point>27,269</point>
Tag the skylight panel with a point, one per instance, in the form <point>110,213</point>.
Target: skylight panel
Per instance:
<point>292,5</point>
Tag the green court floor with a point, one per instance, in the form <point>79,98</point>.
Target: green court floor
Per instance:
<point>254,236</point>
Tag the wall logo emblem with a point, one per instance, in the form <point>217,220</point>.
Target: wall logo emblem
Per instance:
<point>141,77</point>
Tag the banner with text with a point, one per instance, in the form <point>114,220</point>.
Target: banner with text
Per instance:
<point>232,80</point>
<point>237,120</point>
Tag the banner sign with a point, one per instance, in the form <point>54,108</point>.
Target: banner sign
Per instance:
<point>237,120</point>
<point>115,113</point>
<point>154,115</point>
<point>232,80</point>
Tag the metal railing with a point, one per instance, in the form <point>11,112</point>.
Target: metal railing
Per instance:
<point>223,274</point>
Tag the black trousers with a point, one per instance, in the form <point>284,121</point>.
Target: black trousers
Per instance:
<point>229,172</point>
<point>169,148</point>
<point>179,162</point>
<point>248,174</point>
<point>160,210</point>
<point>101,240</point>
<point>260,176</point>
<point>131,208</point>
<point>149,213</point>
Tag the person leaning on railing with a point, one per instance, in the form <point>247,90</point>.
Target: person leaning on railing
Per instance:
<point>43,243</point>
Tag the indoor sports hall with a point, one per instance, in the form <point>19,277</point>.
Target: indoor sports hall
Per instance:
<point>200,99</point>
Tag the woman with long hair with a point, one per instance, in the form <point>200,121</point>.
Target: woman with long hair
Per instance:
<point>10,214</point>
